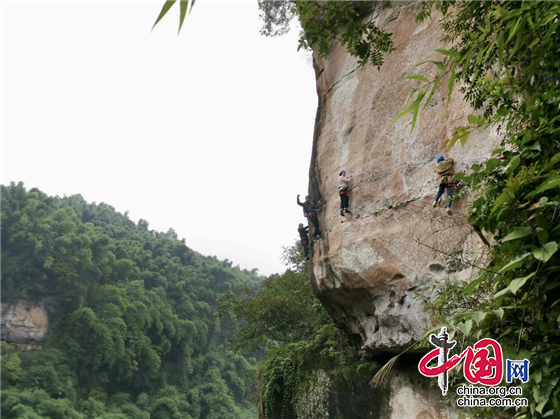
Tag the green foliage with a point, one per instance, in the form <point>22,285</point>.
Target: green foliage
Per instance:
<point>11,365</point>
<point>132,331</point>
<point>282,310</point>
<point>183,9</point>
<point>505,57</point>
<point>305,353</point>
<point>322,22</point>
<point>344,22</point>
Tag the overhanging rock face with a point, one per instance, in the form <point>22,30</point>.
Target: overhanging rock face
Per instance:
<point>374,269</point>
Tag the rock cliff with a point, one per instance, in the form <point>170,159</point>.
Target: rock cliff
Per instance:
<point>374,269</point>
<point>24,324</point>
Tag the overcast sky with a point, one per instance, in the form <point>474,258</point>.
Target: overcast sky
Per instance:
<point>208,132</point>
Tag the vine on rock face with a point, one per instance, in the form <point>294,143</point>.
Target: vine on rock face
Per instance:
<point>506,57</point>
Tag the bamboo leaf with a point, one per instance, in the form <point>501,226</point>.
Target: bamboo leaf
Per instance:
<point>465,137</point>
<point>417,77</point>
<point>451,142</point>
<point>501,12</point>
<point>514,29</point>
<point>436,84</point>
<point>184,7</point>
<point>450,85</point>
<point>478,60</point>
<point>417,107</point>
<point>414,107</point>
<point>166,6</point>
<point>441,66</point>
<point>500,42</point>
<point>403,113</point>
<point>449,52</point>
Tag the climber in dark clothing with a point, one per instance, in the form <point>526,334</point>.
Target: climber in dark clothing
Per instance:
<point>304,239</point>
<point>343,191</point>
<point>310,211</point>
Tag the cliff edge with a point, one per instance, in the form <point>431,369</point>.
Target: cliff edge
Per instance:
<point>374,269</point>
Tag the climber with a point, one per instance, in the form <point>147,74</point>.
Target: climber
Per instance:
<point>310,211</point>
<point>444,169</point>
<point>304,238</point>
<point>343,191</point>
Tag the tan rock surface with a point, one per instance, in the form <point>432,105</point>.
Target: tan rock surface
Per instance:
<point>24,323</point>
<point>371,266</point>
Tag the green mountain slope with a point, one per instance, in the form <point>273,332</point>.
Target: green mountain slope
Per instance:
<point>133,332</point>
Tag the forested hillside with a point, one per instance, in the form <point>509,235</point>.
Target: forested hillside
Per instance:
<point>133,331</point>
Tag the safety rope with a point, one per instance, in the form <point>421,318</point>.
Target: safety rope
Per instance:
<point>374,175</point>
<point>393,213</point>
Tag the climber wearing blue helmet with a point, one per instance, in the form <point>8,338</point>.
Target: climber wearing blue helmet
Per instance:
<point>344,192</point>
<point>310,211</point>
<point>444,169</point>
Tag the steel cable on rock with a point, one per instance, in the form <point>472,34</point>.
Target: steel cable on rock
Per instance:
<point>374,175</point>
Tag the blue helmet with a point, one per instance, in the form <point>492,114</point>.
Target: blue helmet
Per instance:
<point>341,172</point>
<point>307,196</point>
<point>440,159</point>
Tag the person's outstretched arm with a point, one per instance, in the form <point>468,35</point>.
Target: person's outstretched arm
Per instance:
<point>298,202</point>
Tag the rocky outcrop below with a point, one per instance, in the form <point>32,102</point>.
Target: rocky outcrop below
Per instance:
<point>24,324</point>
<point>375,269</point>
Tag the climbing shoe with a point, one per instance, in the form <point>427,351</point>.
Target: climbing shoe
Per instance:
<point>448,210</point>
<point>342,213</point>
<point>434,204</point>
<point>347,211</point>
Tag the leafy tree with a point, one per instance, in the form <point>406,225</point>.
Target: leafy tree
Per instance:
<point>11,365</point>
<point>299,339</point>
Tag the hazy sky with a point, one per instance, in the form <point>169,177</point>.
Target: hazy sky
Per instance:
<point>208,132</point>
